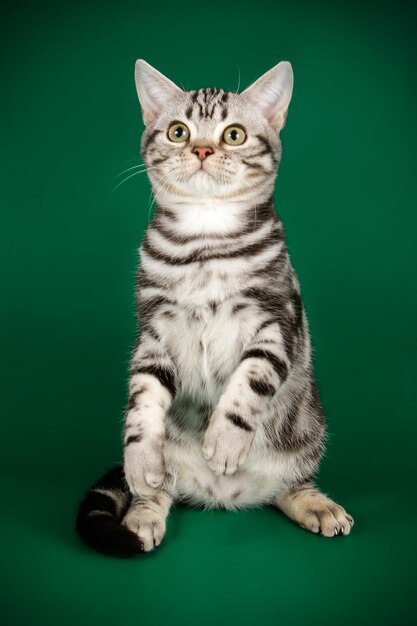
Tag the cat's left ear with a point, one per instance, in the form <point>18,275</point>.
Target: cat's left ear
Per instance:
<point>154,90</point>
<point>272,92</point>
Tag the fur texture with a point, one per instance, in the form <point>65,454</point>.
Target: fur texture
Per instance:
<point>223,408</point>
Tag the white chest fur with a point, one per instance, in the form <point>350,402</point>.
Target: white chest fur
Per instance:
<point>205,344</point>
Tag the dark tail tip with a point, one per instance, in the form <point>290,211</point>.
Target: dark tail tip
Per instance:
<point>108,536</point>
<point>100,514</point>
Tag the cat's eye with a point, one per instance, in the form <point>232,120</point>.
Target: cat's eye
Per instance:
<point>178,132</point>
<point>234,135</point>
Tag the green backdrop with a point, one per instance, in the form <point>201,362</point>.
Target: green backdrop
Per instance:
<point>70,124</point>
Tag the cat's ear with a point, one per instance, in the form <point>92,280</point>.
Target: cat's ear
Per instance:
<point>154,90</point>
<point>272,92</point>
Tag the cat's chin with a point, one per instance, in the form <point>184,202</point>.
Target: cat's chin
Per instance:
<point>201,172</point>
<point>203,183</point>
<point>206,178</point>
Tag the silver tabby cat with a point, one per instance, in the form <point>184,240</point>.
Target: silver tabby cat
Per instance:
<point>223,409</point>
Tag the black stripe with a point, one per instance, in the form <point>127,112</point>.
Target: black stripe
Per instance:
<point>267,146</point>
<point>105,532</point>
<point>262,212</point>
<point>156,301</point>
<point>248,228</point>
<point>239,306</point>
<point>194,98</point>
<point>101,502</point>
<point>278,364</point>
<point>280,433</point>
<point>147,306</point>
<point>163,374</point>
<point>149,140</point>
<point>132,399</point>
<point>210,113</point>
<point>274,303</point>
<point>261,387</point>
<point>315,403</point>
<point>298,308</point>
<point>203,254</point>
<point>256,166</point>
<point>290,440</point>
<point>171,235</point>
<point>143,280</point>
<point>152,332</point>
<point>171,215</point>
<point>133,439</point>
<point>276,266</point>
<point>209,99</point>
<point>189,112</point>
<point>264,324</point>
<point>270,301</point>
<point>238,421</point>
<point>257,154</point>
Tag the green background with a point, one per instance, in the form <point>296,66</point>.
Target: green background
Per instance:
<point>70,124</point>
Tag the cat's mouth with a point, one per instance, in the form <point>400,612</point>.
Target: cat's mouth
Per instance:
<point>202,170</point>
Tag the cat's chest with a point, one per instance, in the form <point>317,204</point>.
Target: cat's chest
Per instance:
<point>206,343</point>
<point>201,284</point>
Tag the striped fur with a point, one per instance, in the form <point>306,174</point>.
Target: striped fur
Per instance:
<point>223,408</point>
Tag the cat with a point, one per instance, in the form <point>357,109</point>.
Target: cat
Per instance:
<point>223,408</point>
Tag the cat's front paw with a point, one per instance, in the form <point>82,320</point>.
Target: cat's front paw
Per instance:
<point>227,441</point>
<point>144,466</point>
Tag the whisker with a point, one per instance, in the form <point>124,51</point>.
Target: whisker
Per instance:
<point>134,167</point>
<point>238,84</point>
<point>154,192</point>
<point>164,184</point>
<point>127,178</point>
<point>146,169</point>
<point>253,195</point>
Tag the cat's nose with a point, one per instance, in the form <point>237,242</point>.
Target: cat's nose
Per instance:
<point>203,153</point>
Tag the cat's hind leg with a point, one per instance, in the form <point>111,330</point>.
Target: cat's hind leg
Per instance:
<point>146,517</point>
<point>314,511</point>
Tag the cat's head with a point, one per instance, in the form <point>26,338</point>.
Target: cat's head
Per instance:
<point>212,143</point>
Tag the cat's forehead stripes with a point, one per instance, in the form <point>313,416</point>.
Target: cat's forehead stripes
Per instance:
<point>204,102</point>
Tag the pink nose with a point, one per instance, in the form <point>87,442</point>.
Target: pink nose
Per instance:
<point>202,153</point>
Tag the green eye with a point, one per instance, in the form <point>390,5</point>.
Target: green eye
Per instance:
<point>178,132</point>
<point>234,135</point>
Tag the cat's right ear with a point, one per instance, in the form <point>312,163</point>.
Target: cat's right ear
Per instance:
<point>154,90</point>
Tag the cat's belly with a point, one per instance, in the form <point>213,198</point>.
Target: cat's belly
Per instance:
<point>257,482</point>
<point>206,344</point>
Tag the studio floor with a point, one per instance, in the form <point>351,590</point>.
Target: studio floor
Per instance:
<point>213,567</point>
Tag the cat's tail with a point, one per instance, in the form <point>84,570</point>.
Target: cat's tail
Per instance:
<point>100,515</point>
